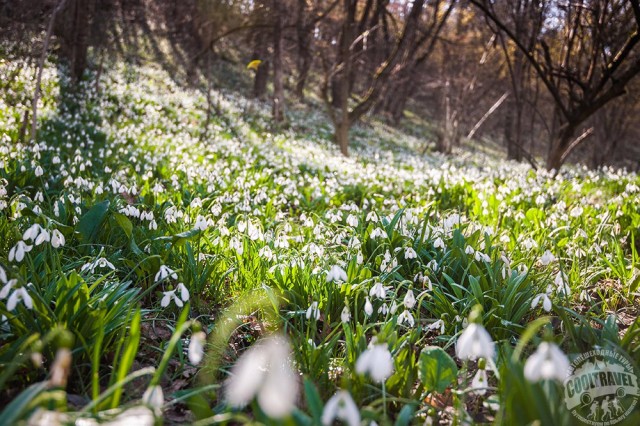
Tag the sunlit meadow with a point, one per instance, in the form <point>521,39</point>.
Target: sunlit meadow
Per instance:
<point>163,262</point>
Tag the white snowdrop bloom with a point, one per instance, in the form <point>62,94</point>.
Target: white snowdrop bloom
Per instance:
<point>433,265</point>
<point>264,371</point>
<point>18,251</point>
<point>437,325</point>
<point>3,275</point>
<point>4,292</point>
<point>576,211</point>
<point>561,283</point>
<point>438,243</point>
<point>266,253</point>
<point>406,316</point>
<point>153,225</point>
<point>410,253</point>
<point>337,274</point>
<point>196,347</point>
<point>313,311</point>
<point>548,362</point>
<point>378,290</point>
<point>184,292</point>
<point>345,316</point>
<point>372,217</point>
<point>19,294</point>
<point>341,407</point>
<point>376,361</point>
<point>254,232</point>
<point>352,220</point>
<point>368,307</point>
<point>475,342</point>
<point>39,172</point>
<point>480,257</point>
<point>32,232</point>
<point>165,272</point>
<point>546,258</point>
<point>60,368</point>
<point>546,301</point>
<point>57,239</point>
<point>409,300</point>
<point>44,236</point>
<point>201,223</point>
<point>469,250</point>
<point>378,233</point>
<point>479,382</point>
<point>540,199</point>
<point>237,245</point>
<point>384,309</point>
<point>154,398</point>
<point>168,297</point>
<point>360,258</point>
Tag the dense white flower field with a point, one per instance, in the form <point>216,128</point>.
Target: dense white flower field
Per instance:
<point>290,284</point>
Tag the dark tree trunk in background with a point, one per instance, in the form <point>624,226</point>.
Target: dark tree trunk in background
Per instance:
<point>278,90</point>
<point>304,33</point>
<point>73,29</point>
<point>261,52</point>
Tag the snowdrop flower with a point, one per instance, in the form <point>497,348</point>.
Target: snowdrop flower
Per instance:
<point>264,371</point>
<point>57,239</point>
<point>42,237</point>
<point>168,296</point>
<point>406,316</point>
<point>18,295</point>
<point>337,274</point>
<point>313,311</point>
<point>32,232</point>
<point>165,272</point>
<point>378,291</point>
<point>7,288</point>
<point>479,382</point>
<point>201,223</point>
<point>368,307</point>
<point>561,282</point>
<point>184,293</point>
<point>60,368</point>
<point>3,275</point>
<point>546,302</point>
<point>469,250</point>
<point>352,220</point>
<point>345,316</point>
<point>39,172</point>
<point>376,361</point>
<point>410,253</point>
<point>546,363</point>
<point>546,258</point>
<point>475,342</point>
<point>372,217</point>
<point>438,243</point>
<point>437,325</point>
<point>196,347</point>
<point>154,398</point>
<point>18,251</point>
<point>409,300</point>
<point>341,407</point>
<point>384,309</point>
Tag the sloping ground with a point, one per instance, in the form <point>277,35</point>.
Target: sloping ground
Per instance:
<point>146,196</point>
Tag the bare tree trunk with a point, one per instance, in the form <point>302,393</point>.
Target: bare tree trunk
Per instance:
<point>261,78</point>
<point>278,90</point>
<point>342,136</point>
<point>305,48</point>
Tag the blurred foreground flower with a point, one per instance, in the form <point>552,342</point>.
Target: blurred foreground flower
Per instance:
<point>376,361</point>
<point>265,372</point>
<point>337,274</point>
<point>341,406</point>
<point>475,342</point>
<point>546,363</point>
